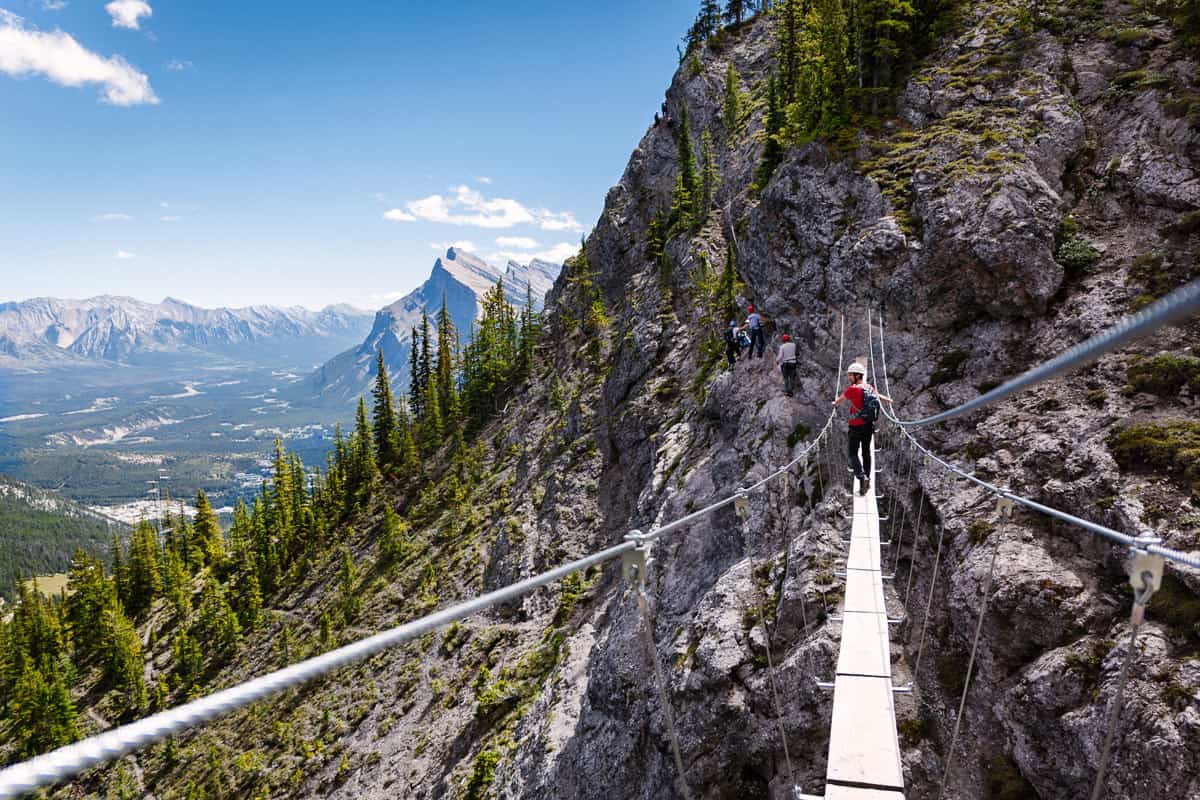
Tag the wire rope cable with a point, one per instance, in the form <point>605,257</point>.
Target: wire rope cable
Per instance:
<point>668,715</point>
<point>1143,543</point>
<point>1175,307</point>
<point>937,558</point>
<point>962,701</point>
<point>1136,616</point>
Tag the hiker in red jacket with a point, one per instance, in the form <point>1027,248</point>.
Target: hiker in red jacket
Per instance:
<point>864,410</point>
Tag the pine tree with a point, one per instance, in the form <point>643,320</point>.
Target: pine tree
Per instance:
<point>791,32</point>
<point>116,551</point>
<point>772,146</point>
<point>189,660</point>
<point>710,178</point>
<point>409,460</point>
<point>89,592</point>
<point>447,367</point>
<point>393,543</point>
<point>735,10</point>
<point>685,199</point>
<point>426,376</point>
<point>123,658</point>
<point>731,109</point>
<point>177,584</point>
<point>387,443</point>
<point>416,383</point>
<point>208,530</point>
<point>143,582</point>
<point>363,474</point>
<point>41,712</point>
<point>217,627</point>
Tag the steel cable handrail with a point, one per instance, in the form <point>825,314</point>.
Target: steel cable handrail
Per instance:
<point>1148,544</point>
<point>1176,306</point>
<point>69,760</point>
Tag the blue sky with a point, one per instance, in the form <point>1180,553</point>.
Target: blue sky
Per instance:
<point>230,153</point>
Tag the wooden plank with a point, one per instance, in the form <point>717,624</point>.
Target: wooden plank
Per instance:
<point>835,792</point>
<point>862,738</point>
<point>864,554</point>
<point>865,649</point>
<point>864,592</point>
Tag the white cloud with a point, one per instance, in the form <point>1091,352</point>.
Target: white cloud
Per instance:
<point>469,207</point>
<point>517,242</point>
<point>124,255</point>
<point>53,5</point>
<point>484,179</point>
<point>64,61</point>
<point>461,244</point>
<point>169,218</point>
<point>113,218</point>
<point>176,65</point>
<point>557,221</point>
<point>556,254</point>
<point>126,13</point>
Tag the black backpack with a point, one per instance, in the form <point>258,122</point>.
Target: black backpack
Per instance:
<point>870,407</point>
<point>731,336</point>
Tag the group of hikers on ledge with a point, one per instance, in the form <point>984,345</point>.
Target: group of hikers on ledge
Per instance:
<point>862,396</point>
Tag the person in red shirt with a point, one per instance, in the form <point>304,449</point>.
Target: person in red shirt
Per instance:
<point>861,430</point>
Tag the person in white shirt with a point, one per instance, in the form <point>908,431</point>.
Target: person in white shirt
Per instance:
<point>786,361</point>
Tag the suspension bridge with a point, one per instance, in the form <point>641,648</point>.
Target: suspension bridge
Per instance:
<point>864,760</point>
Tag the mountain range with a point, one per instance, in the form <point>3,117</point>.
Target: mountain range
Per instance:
<point>57,332</point>
<point>458,277</point>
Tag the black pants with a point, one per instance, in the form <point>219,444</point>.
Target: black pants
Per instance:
<point>759,336</point>
<point>789,377</point>
<point>860,436</point>
<point>731,351</point>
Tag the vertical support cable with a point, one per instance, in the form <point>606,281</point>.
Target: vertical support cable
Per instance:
<point>668,715</point>
<point>962,701</point>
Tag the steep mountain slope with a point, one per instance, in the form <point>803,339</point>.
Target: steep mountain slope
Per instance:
<point>40,530</point>
<point>121,328</point>
<point>462,279</point>
<point>1028,193</point>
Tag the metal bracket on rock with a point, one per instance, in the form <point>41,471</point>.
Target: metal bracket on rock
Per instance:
<point>1004,507</point>
<point>1145,576</point>
<point>741,503</point>
<point>634,563</point>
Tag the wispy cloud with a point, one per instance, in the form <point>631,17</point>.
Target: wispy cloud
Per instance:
<point>124,255</point>
<point>517,242</point>
<point>461,244</point>
<point>112,218</point>
<point>126,13</point>
<point>176,65</point>
<point>469,207</point>
<point>169,218</point>
<point>484,179</point>
<point>53,5</point>
<point>64,61</point>
<point>555,254</point>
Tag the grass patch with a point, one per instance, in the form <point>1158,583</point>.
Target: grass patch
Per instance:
<point>1165,375</point>
<point>980,530</point>
<point>1171,447</point>
<point>1076,254</point>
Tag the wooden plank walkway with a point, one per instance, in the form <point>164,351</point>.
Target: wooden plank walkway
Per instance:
<point>864,751</point>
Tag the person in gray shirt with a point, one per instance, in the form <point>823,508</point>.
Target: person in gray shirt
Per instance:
<point>786,361</point>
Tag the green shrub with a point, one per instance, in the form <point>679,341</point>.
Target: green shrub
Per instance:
<point>482,775</point>
<point>1172,447</point>
<point>1187,224</point>
<point>1076,254</point>
<point>980,529</point>
<point>1096,398</point>
<point>1176,605</point>
<point>1130,36</point>
<point>1050,403</point>
<point>1133,77</point>
<point>1165,375</point>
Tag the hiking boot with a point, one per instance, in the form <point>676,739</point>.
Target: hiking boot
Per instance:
<point>865,485</point>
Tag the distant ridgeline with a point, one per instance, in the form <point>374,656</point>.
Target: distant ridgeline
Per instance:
<point>40,530</point>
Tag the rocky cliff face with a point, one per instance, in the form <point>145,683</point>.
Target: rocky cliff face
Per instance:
<point>120,328</point>
<point>1028,193</point>
<point>462,279</point>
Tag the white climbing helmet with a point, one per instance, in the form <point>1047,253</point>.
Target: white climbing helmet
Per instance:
<point>857,367</point>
